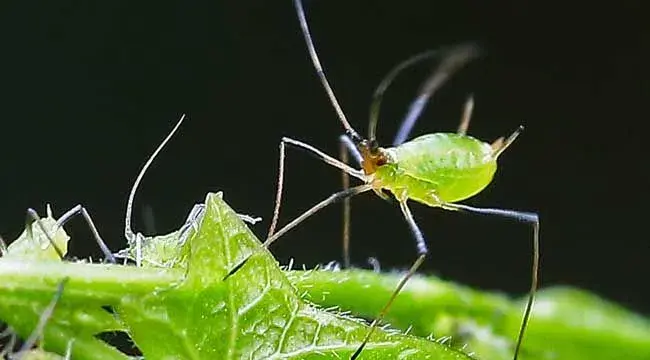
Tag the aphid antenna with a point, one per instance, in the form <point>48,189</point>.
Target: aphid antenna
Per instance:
<point>136,238</point>
<point>349,130</point>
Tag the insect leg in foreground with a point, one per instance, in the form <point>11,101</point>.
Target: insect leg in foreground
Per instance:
<point>322,156</point>
<point>525,217</point>
<point>42,321</point>
<point>3,247</point>
<point>422,252</point>
<point>341,195</point>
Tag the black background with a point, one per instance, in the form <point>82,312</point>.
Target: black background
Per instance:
<point>90,88</point>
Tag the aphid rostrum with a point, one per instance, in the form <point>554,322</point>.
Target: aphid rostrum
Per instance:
<point>437,170</point>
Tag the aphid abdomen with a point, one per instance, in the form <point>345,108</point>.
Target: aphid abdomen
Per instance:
<point>444,166</point>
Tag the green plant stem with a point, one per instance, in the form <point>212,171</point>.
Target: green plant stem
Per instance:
<point>566,323</point>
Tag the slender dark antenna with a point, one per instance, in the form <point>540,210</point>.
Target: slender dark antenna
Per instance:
<point>455,58</point>
<point>385,83</point>
<point>128,232</point>
<point>321,74</point>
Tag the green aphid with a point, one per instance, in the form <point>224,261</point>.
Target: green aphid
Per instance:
<point>437,170</point>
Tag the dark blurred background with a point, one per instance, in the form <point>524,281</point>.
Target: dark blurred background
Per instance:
<point>91,88</point>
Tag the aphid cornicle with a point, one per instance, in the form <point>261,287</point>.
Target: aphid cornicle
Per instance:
<point>437,169</point>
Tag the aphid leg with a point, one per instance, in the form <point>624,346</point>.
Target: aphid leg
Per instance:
<point>132,238</point>
<point>79,209</point>
<point>8,346</point>
<point>328,201</point>
<point>42,321</point>
<point>347,146</point>
<point>345,181</point>
<point>312,150</point>
<point>3,247</point>
<point>68,349</point>
<point>422,251</point>
<point>32,216</point>
<point>526,217</point>
<point>467,115</point>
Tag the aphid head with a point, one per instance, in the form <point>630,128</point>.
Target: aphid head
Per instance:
<point>373,156</point>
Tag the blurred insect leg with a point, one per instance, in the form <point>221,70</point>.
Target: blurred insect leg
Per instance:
<point>3,246</point>
<point>467,115</point>
<point>32,216</point>
<point>68,350</point>
<point>374,262</point>
<point>422,251</point>
<point>345,181</point>
<point>79,209</point>
<point>347,146</point>
<point>455,58</point>
<point>7,344</point>
<point>42,321</point>
<point>525,217</point>
<point>312,150</point>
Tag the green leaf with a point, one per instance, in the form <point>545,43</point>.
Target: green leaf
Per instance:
<point>566,323</point>
<point>192,312</point>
